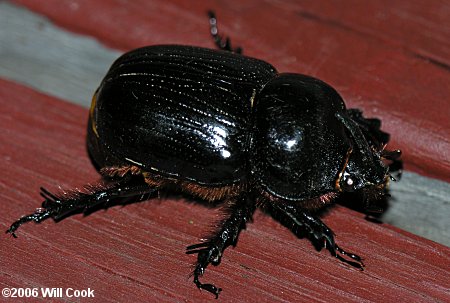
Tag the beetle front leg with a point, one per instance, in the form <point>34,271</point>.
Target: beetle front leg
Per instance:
<point>239,213</point>
<point>316,229</point>
<point>370,127</point>
<point>61,205</point>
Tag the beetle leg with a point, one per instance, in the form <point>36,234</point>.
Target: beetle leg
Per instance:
<point>221,43</point>
<point>61,205</point>
<point>371,129</point>
<point>239,213</point>
<point>317,230</point>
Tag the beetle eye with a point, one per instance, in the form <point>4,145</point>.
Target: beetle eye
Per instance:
<point>349,181</point>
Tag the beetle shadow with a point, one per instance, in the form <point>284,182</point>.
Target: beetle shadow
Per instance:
<point>373,210</point>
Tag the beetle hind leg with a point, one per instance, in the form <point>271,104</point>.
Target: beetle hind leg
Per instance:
<point>316,229</point>
<point>221,43</point>
<point>58,206</point>
<point>239,212</point>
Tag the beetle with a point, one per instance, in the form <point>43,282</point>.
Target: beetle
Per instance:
<point>223,127</point>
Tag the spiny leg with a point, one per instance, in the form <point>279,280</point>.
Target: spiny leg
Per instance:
<point>222,43</point>
<point>239,211</point>
<point>371,129</point>
<point>317,230</point>
<point>60,205</point>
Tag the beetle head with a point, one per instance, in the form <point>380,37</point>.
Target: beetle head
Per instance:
<point>361,172</point>
<point>307,145</point>
<point>363,167</point>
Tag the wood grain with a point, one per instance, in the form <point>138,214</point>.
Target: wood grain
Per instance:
<point>61,63</point>
<point>136,252</point>
<point>389,58</point>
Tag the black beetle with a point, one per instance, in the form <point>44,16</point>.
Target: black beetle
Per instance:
<point>224,127</point>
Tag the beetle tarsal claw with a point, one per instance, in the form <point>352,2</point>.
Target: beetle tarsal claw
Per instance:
<point>200,270</point>
<point>38,216</point>
<point>208,287</point>
<point>358,261</point>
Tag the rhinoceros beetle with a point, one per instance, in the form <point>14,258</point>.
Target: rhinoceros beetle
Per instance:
<point>227,128</point>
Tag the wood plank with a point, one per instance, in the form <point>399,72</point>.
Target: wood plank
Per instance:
<point>50,59</point>
<point>419,28</point>
<point>37,53</point>
<point>137,252</point>
<point>402,80</point>
<point>421,206</point>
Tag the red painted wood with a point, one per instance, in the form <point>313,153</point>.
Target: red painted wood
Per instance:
<point>390,58</point>
<point>136,252</point>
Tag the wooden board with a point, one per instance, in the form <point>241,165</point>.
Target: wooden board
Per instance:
<point>136,252</point>
<point>36,52</point>
<point>389,58</point>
